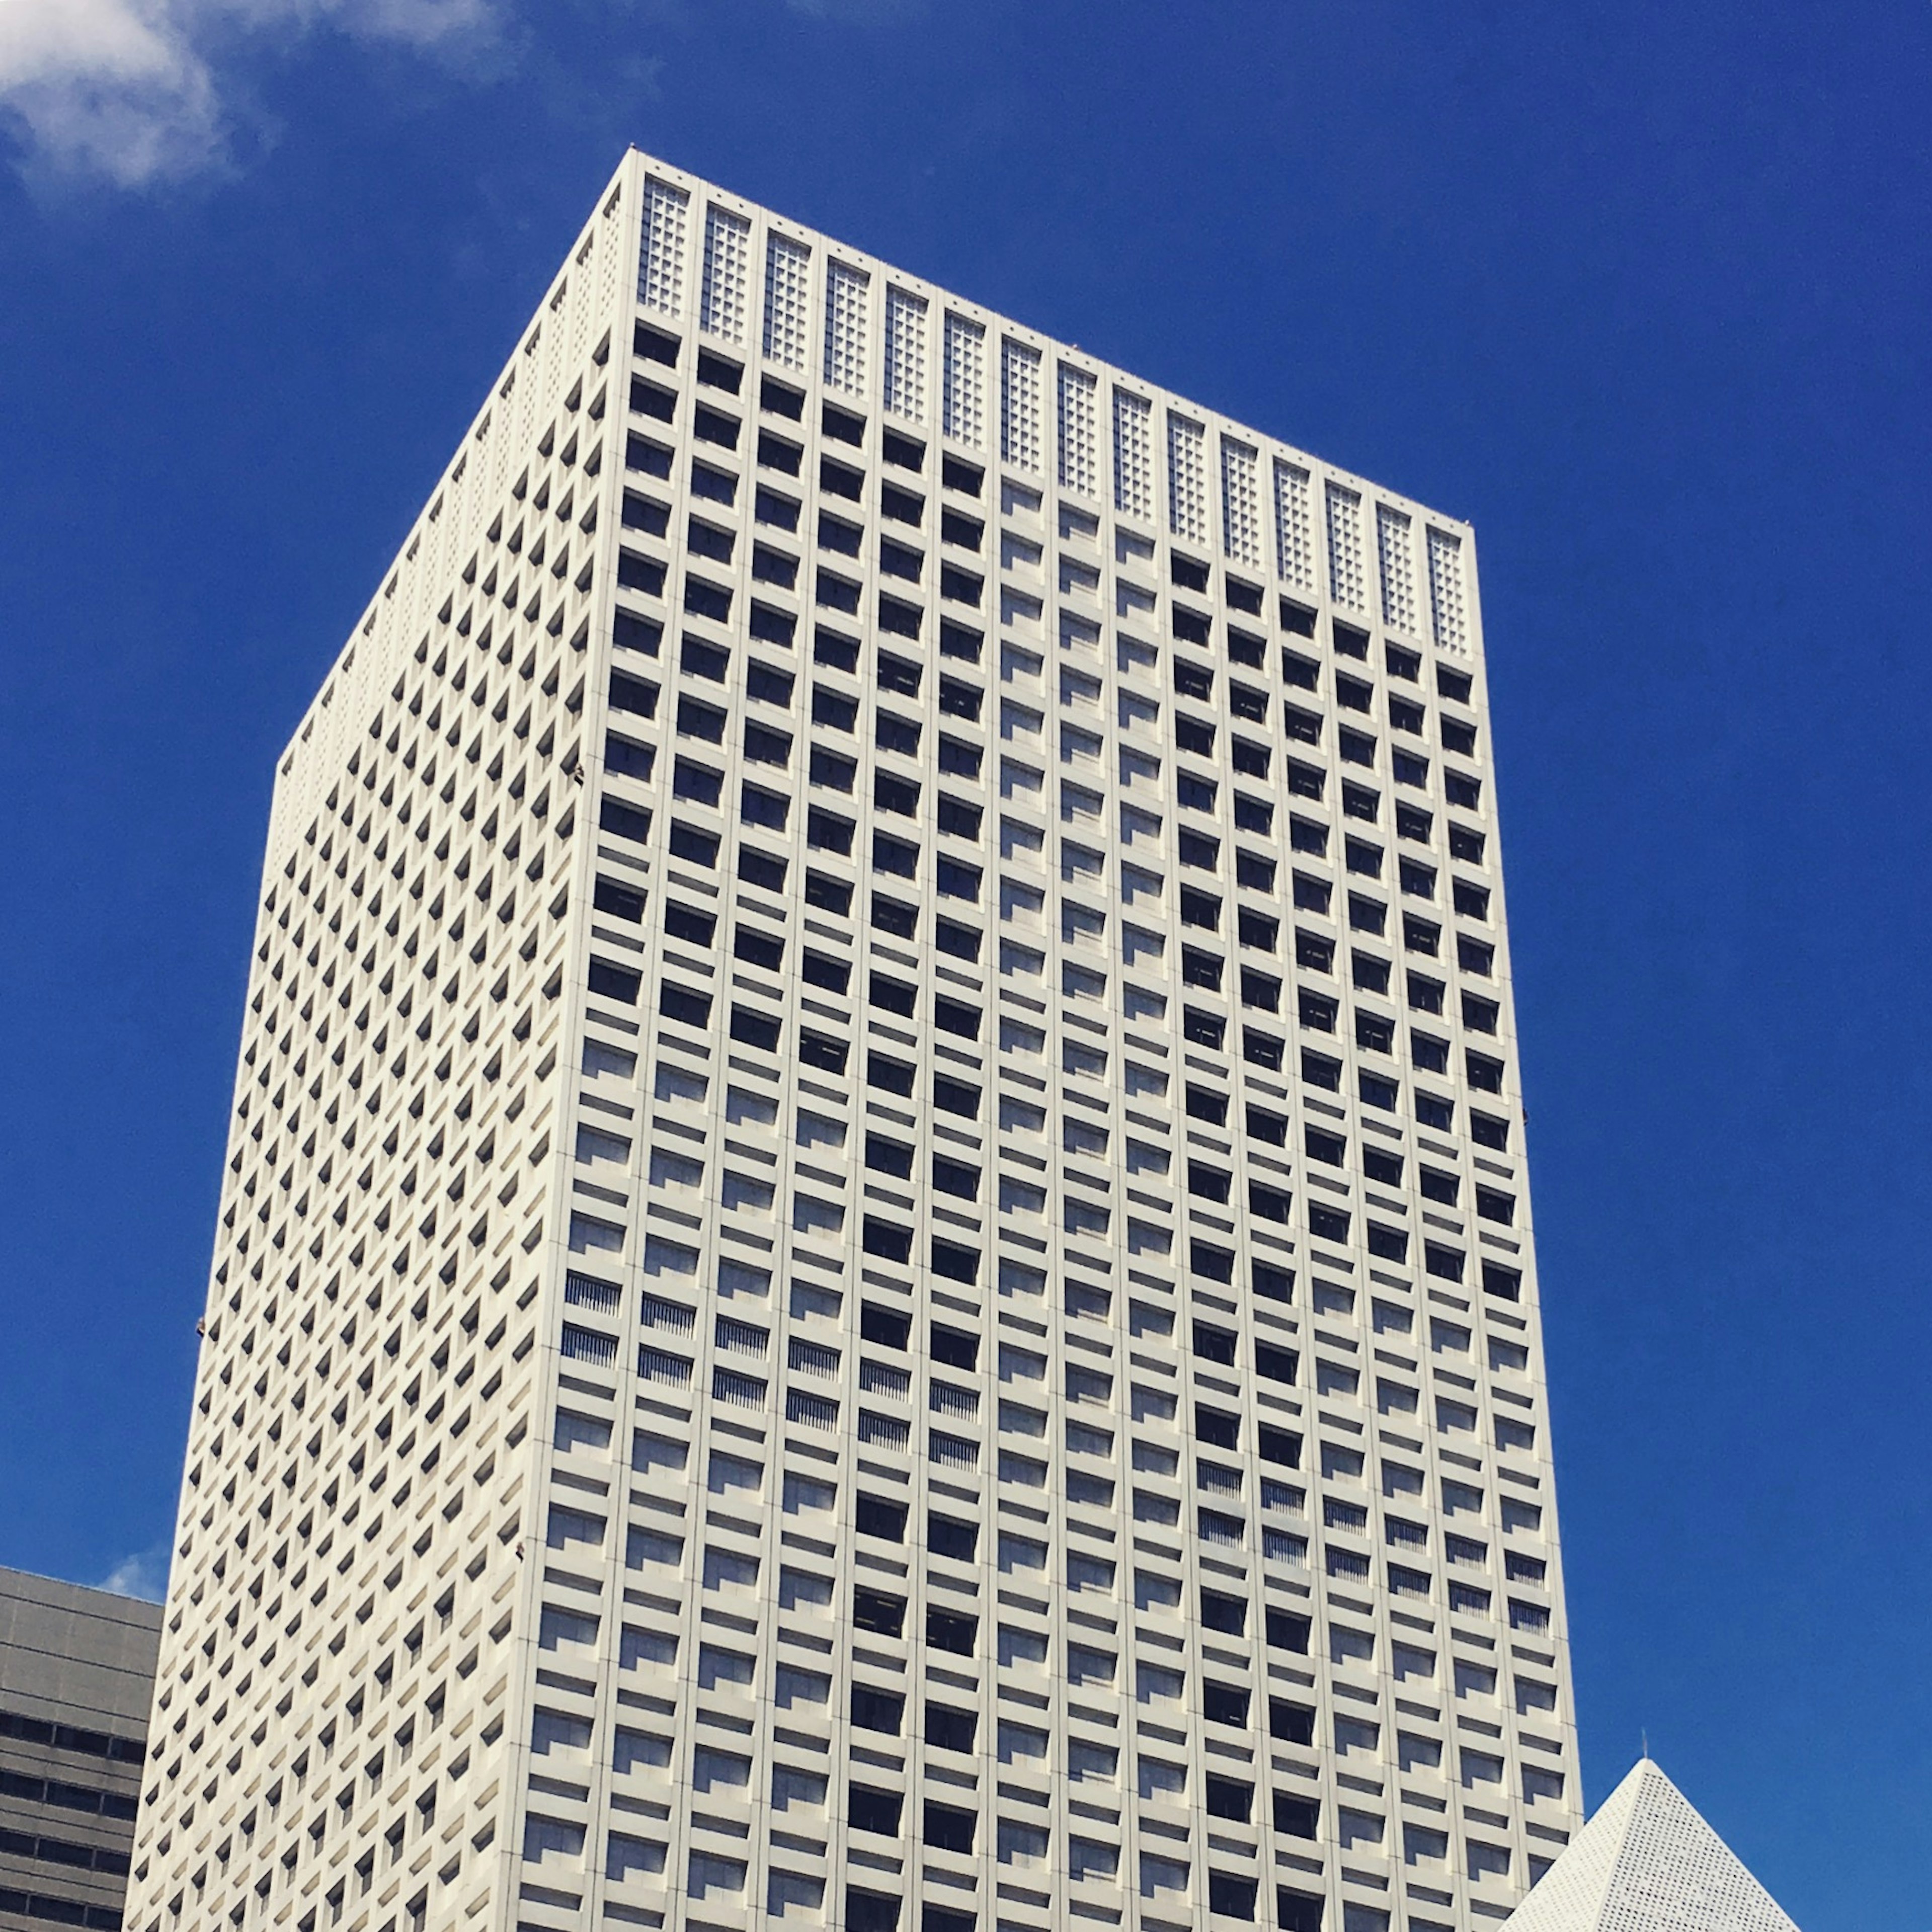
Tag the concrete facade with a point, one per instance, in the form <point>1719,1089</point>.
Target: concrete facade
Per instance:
<point>876,1268</point>
<point>76,1675</point>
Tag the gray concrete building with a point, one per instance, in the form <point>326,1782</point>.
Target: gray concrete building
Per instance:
<point>77,1676</point>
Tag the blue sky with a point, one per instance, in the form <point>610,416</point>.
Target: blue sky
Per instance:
<point>1642,290</point>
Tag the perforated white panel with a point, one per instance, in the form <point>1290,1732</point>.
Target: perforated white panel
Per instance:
<point>1240,517</point>
<point>1294,548</point>
<point>1394,556</point>
<point>1187,485</point>
<point>905,354</point>
<point>1019,404</point>
<point>661,260</point>
<point>1133,454</point>
<point>1345,547</point>
<point>845,327</point>
<point>1078,461</point>
<point>788,273</point>
<point>1445,590</point>
<point>965,398</point>
<point>727,240</point>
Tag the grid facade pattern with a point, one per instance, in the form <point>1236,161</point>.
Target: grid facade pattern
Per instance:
<point>1003,1326</point>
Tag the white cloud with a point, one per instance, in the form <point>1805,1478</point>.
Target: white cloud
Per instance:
<point>146,1574</point>
<point>130,89</point>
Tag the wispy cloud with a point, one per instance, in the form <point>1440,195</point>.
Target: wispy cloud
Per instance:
<point>145,1574</point>
<point>132,90</point>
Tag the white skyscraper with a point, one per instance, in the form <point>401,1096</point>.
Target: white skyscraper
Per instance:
<point>875,1266</point>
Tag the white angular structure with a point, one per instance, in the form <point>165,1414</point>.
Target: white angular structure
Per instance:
<point>1648,1862</point>
<point>875,1264</point>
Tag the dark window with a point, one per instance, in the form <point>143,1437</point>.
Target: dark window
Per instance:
<point>875,1610</point>
<point>1296,1911</point>
<point>1405,714</point>
<point>1214,1345</point>
<point>1429,1054</point>
<point>688,924</point>
<point>903,506</point>
<point>718,486</point>
<point>1276,1364</point>
<point>1391,1244</point>
<point>1207,1182</point>
<point>949,1827</point>
<point>841,425</point>
<point>1205,1104</point>
<point>962,942</point>
<point>1216,1428</point>
<point>958,759</point>
<point>626,821</point>
<point>1485,1074</point>
<point>1195,735</point>
<point>949,1729</point>
<point>898,559</point>
<point>1262,1049</point>
<point>1487,1131</point>
<point>1296,618</point>
<point>869,1911</point>
<point>1375,1033</point>
<point>1228,1615</point>
<point>760,949</point>
<point>1203,1029</point>
<point>689,1009</point>
<point>696,847</point>
<point>1421,935</point>
<point>613,982</point>
<point>1230,1896</point>
<point>1286,1629</point>
<point>646,457</point>
<point>640,573</point>
<point>895,1076</point>
<point>1380,1165</point>
<point>749,1028</point>
<point>887,1326</point>
<point>1253,872</point>
<point>781,399</point>
<point>1253,760</point>
<point>955,1177</point>
<point>1331,1223</point>
<point>892,733</point>
<point>826,893</point>
<point>840,479</point>
<point>955,1096</point>
<point>878,1516</point>
<point>869,1810</point>
<point>893,915</point>
<point>1193,680</point>
<point>618,901</point>
<point>1185,571</point>
<point>1228,1798</point>
<point>833,976</point>
<point>967,478</point>
<point>948,1629</point>
<point>953,1016</point>
<point>1256,929</point>
<point>1296,1817</point>
<point>1200,969</point>
<point>1329,1149</point>
<point>1224,1703</point>
<point>1425,994</point>
<point>1260,989</point>
<point>1464,793</point>
<point>645,514</point>
<point>1316,1010</point>
<point>1313,951</point>
<point>1319,1070</point>
<point>1281,1446</point>
<point>697,719</point>
<point>1292,1723</point>
<point>956,1348</point>
<point>1263,1124</point>
<point>698,783</point>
